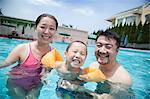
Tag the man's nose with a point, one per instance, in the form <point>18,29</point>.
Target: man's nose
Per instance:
<point>102,49</point>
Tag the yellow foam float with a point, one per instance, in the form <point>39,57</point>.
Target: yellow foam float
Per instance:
<point>93,75</point>
<point>50,58</point>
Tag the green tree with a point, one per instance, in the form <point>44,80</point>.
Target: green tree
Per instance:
<point>139,32</point>
<point>94,33</point>
<point>146,33</point>
<point>132,32</point>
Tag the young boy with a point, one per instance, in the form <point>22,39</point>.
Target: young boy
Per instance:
<point>69,86</point>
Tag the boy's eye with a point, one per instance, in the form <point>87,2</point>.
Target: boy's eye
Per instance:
<point>75,51</point>
<point>82,53</point>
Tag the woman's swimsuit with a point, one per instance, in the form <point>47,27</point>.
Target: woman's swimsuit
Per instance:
<point>27,74</point>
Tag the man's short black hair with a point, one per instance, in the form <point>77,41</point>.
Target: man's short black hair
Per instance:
<point>110,35</point>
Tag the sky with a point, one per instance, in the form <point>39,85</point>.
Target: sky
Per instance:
<point>87,15</point>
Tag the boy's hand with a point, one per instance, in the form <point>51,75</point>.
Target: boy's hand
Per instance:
<point>95,76</point>
<point>84,78</point>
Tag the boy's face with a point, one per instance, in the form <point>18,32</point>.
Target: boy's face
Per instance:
<point>106,50</point>
<point>76,54</point>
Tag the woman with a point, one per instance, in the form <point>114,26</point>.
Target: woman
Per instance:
<point>24,79</point>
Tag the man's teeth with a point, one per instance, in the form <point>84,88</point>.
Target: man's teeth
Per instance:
<point>103,56</point>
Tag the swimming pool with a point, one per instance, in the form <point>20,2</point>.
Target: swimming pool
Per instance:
<point>136,62</point>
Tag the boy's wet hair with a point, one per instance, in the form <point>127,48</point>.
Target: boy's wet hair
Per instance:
<point>110,35</point>
<point>45,15</point>
<point>75,42</point>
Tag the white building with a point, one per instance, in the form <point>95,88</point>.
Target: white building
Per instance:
<point>25,30</point>
<point>141,13</point>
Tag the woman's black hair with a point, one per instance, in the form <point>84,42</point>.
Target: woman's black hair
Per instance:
<point>45,15</point>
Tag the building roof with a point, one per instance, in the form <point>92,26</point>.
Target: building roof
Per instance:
<point>16,19</point>
<point>64,34</point>
<point>137,10</point>
<point>19,20</point>
<point>73,29</point>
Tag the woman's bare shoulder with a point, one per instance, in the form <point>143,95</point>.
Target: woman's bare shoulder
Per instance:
<point>22,46</point>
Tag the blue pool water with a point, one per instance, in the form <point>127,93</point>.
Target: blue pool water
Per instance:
<point>136,62</point>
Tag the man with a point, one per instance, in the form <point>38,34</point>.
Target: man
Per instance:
<point>118,78</point>
<point>107,47</point>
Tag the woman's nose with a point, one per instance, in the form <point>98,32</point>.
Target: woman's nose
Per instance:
<point>46,30</point>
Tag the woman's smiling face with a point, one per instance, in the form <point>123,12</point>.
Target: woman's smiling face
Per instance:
<point>46,29</point>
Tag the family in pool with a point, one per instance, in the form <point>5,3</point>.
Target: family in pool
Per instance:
<point>37,58</point>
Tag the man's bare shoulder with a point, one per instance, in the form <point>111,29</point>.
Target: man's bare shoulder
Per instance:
<point>125,77</point>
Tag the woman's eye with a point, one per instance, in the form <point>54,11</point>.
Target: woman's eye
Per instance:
<point>52,29</point>
<point>42,27</point>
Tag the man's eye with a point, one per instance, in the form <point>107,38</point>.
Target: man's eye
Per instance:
<point>99,45</point>
<point>108,46</point>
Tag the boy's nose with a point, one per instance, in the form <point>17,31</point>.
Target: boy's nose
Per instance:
<point>77,54</point>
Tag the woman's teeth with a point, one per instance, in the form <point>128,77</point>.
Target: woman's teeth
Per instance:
<point>45,36</point>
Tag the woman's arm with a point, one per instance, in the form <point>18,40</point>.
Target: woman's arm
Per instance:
<point>12,57</point>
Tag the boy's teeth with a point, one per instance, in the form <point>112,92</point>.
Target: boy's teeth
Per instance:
<point>46,37</point>
<point>76,61</point>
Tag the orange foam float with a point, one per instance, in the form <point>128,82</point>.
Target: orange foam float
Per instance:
<point>93,75</point>
<point>50,59</point>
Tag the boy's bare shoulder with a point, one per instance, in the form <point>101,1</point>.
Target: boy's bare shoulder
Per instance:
<point>59,64</point>
<point>94,65</point>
